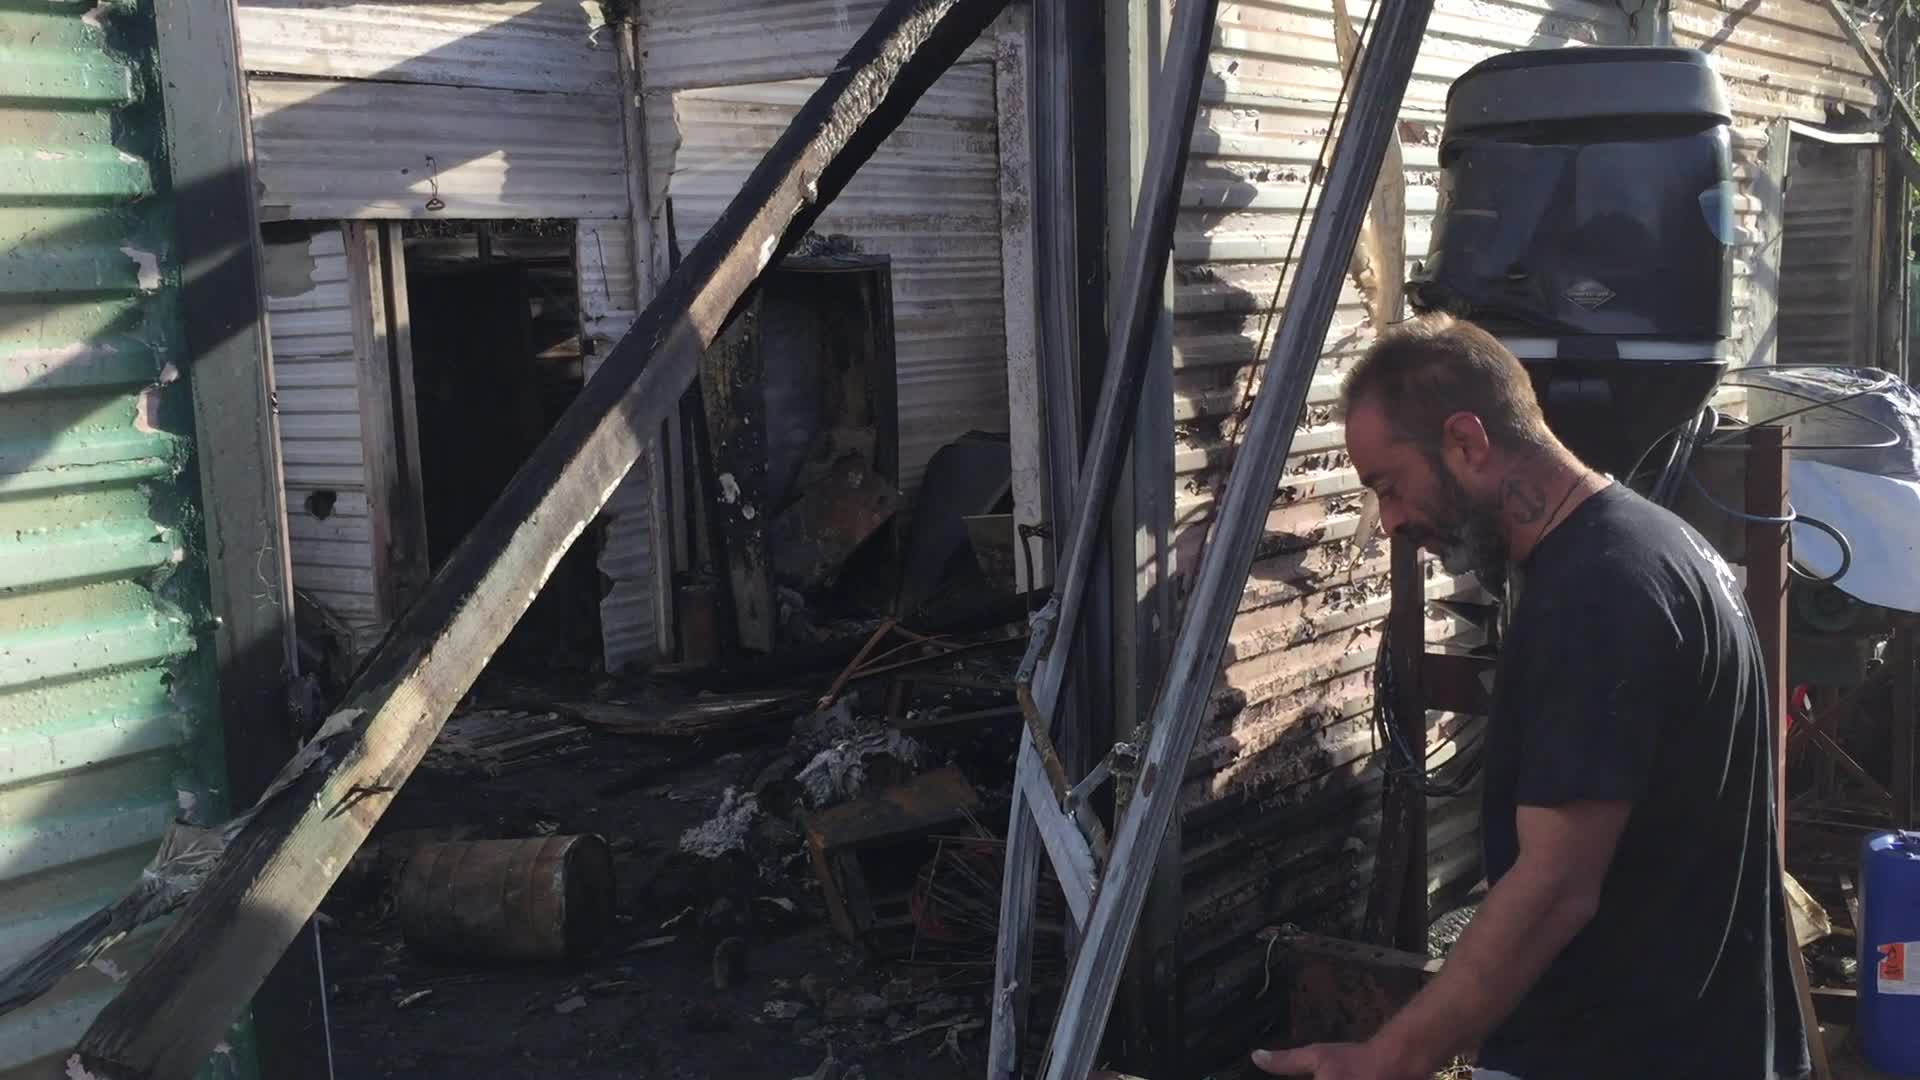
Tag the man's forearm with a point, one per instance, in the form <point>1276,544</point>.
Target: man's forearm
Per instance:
<point>1522,925</point>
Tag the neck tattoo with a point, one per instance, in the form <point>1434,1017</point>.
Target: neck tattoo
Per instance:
<point>1578,479</point>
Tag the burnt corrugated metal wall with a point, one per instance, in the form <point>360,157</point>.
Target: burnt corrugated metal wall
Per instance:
<point>107,699</point>
<point>720,79</point>
<point>495,109</point>
<point>1281,805</point>
<point>929,199</point>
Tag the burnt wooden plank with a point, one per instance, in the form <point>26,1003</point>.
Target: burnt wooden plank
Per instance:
<point>730,388</point>
<point>173,1012</point>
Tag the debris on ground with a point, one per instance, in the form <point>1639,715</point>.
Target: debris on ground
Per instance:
<point>499,742</point>
<point>726,830</point>
<point>840,771</point>
<point>800,882</point>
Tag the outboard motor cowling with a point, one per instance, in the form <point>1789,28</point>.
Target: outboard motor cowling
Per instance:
<point>1586,218</point>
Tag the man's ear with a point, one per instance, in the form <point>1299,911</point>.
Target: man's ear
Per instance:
<point>1464,437</point>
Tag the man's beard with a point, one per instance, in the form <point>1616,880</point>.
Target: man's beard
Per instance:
<point>1466,535</point>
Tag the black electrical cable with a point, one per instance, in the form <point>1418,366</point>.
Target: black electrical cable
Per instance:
<point>1400,757</point>
<point>1756,519</point>
<point>1886,382</point>
<point>1680,459</point>
<point>1793,517</point>
<point>1846,552</point>
<point>1634,470</point>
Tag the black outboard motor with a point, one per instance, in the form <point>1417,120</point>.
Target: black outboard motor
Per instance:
<point>1587,218</point>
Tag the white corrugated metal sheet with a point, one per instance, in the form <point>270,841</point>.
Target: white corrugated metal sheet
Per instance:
<point>609,295</point>
<point>929,198</point>
<point>1287,775</point>
<point>1828,291</point>
<point>317,392</point>
<point>692,43</point>
<point>1780,59</point>
<point>559,46</point>
<point>327,150</point>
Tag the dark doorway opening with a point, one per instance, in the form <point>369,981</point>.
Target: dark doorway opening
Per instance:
<point>497,357</point>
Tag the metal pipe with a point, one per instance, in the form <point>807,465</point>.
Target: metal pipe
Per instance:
<point>1194,668</point>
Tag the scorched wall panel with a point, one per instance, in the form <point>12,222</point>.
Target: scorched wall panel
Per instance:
<point>630,607</point>
<point>317,394</point>
<point>327,149</point>
<point>929,198</point>
<point>693,43</point>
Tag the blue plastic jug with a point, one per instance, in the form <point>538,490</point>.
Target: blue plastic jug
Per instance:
<point>1888,1020</point>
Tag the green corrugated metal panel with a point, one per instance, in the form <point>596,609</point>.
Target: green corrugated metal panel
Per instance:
<point>107,708</point>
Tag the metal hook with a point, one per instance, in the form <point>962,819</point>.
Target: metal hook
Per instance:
<point>434,203</point>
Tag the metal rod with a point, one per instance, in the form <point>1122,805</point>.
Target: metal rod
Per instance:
<point>1766,596</point>
<point>1380,85</point>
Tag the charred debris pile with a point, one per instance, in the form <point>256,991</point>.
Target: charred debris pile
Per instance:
<point>802,814</point>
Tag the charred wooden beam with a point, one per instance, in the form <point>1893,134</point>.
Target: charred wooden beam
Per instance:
<point>176,1009</point>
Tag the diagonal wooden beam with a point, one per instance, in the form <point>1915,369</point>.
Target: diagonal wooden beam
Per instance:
<point>175,1010</point>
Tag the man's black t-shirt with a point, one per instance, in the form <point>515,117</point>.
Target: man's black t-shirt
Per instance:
<point>1631,672</point>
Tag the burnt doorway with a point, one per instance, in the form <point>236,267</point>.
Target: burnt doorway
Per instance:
<point>497,357</point>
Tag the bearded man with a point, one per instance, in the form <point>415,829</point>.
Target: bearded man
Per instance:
<point>1634,924</point>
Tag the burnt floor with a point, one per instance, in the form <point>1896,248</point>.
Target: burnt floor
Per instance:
<point>640,1006</point>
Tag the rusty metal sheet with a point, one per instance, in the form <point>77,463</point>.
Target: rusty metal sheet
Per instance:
<point>813,538</point>
<point>930,799</point>
<point>1343,991</point>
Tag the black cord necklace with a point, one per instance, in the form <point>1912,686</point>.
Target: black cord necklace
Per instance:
<point>1579,478</point>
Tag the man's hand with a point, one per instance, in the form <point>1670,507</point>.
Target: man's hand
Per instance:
<point>1336,1061</point>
